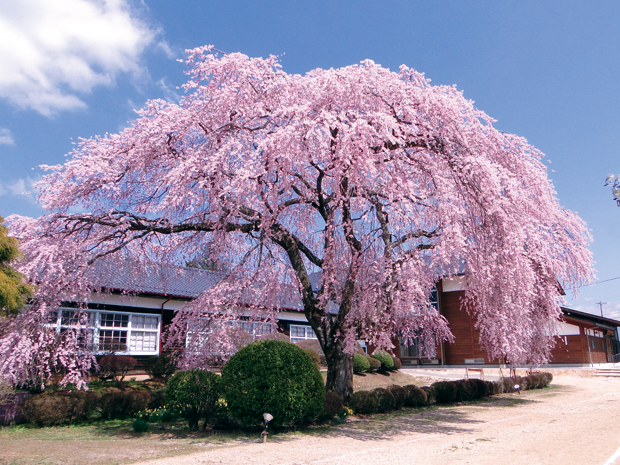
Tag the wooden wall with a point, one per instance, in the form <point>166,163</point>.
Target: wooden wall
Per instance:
<point>569,349</point>
<point>466,344</point>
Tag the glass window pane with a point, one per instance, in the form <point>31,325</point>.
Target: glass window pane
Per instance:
<point>143,341</point>
<point>114,320</point>
<point>112,340</point>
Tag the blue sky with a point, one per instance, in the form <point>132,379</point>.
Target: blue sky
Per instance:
<point>548,71</point>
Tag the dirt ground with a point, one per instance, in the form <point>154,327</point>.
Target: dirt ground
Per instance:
<point>575,422</point>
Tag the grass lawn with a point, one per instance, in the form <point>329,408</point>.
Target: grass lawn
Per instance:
<point>111,442</point>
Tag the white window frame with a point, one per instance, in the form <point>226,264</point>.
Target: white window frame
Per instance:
<point>94,318</point>
<point>308,333</point>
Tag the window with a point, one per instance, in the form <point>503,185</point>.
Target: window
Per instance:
<point>114,320</point>
<point>144,322</point>
<point>299,333</point>
<point>594,333</point>
<point>112,341</point>
<point>113,331</point>
<point>143,341</point>
<point>417,349</point>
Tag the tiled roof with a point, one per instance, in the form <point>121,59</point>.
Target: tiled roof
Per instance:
<point>152,278</point>
<point>172,281</point>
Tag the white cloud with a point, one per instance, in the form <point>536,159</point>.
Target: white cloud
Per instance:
<point>22,187</point>
<point>170,92</point>
<point>6,138</point>
<point>53,51</point>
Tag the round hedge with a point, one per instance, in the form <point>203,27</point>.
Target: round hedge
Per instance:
<point>360,364</point>
<point>273,377</point>
<point>193,393</point>
<point>375,365</point>
<point>387,362</point>
<point>416,397</point>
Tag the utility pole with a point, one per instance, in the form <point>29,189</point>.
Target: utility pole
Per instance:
<point>600,304</point>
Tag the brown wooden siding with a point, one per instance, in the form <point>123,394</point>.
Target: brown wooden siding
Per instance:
<point>569,349</point>
<point>467,338</point>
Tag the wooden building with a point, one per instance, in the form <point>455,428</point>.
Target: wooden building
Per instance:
<point>583,338</point>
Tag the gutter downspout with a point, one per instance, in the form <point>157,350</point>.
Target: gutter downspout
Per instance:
<point>161,323</point>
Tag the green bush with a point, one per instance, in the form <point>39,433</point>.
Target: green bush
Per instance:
<point>375,365</point>
<point>431,395</point>
<point>546,379</point>
<point>397,363</point>
<point>160,415</point>
<point>59,408</point>
<point>360,364</point>
<point>385,400</point>
<point>160,367</point>
<point>140,426</point>
<point>445,391</point>
<point>332,406</point>
<point>466,389</point>
<point>117,405</point>
<point>387,362</point>
<point>414,396</point>
<point>314,355</point>
<point>364,402</point>
<point>273,377</point>
<point>192,394</point>
<point>400,395</point>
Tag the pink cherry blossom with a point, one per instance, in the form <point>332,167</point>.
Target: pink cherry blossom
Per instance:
<point>356,188</point>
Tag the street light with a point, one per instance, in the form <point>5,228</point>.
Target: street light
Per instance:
<point>614,182</point>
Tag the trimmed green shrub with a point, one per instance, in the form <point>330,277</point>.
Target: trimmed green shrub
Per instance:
<point>314,355</point>
<point>59,409</point>
<point>397,363</point>
<point>273,377</point>
<point>414,396</point>
<point>360,364</point>
<point>485,388</point>
<point>364,402</point>
<point>385,400</point>
<point>546,379</point>
<point>375,365</point>
<point>192,394</point>
<point>466,389</point>
<point>117,405</point>
<point>445,391</point>
<point>400,395</point>
<point>431,395</point>
<point>387,362</point>
<point>332,406</point>
<point>498,387</point>
<point>160,367</point>
<point>140,426</point>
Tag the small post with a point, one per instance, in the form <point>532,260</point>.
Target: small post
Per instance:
<point>267,417</point>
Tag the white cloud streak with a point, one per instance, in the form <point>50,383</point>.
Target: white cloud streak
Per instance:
<point>22,187</point>
<point>53,51</point>
<point>6,138</point>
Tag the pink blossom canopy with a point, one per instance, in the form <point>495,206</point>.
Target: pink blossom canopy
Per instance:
<point>359,187</point>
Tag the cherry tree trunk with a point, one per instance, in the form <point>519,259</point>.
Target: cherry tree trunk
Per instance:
<point>339,372</point>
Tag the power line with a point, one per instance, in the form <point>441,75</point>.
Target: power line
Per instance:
<point>595,283</point>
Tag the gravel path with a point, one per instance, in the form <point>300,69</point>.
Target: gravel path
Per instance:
<point>577,422</point>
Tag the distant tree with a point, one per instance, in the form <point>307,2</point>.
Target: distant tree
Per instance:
<point>358,188</point>
<point>13,290</point>
<point>614,182</point>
